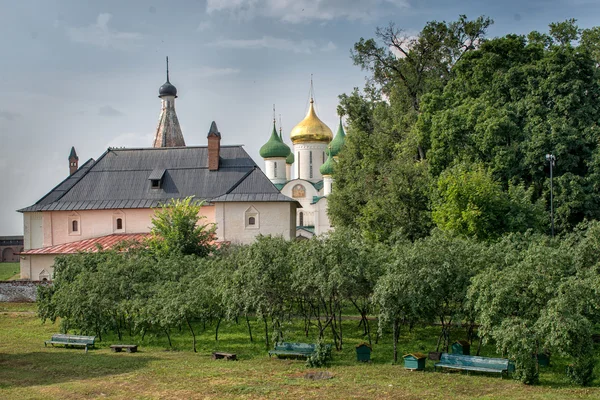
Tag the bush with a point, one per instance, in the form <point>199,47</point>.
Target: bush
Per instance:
<point>321,356</point>
<point>582,371</point>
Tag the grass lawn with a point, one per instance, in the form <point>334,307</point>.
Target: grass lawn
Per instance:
<point>30,371</point>
<point>8,270</point>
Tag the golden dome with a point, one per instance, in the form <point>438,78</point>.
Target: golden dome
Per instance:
<point>311,129</point>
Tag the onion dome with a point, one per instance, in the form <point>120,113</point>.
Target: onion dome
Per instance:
<point>290,158</point>
<point>274,147</point>
<point>327,167</point>
<point>167,89</point>
<point>338,142</point>
<point>311,129</point>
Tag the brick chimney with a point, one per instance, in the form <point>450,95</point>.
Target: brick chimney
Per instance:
<point>73,161</point>
<point>214,147</point>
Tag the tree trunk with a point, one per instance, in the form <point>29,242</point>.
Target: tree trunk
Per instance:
<point>396,335</point>
<point>266,332</point>
<point>169,337</point>
<point>193,334</point>
<point>217,330</point>
<point>249,328</point>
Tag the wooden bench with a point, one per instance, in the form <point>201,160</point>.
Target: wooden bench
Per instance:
<point>474,363</point>
<point>72,340</point>
<point>293,349</point>
<point>130,348</point>
<point>226,356</point>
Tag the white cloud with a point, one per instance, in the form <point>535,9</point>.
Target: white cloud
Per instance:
<point>268,42</point>
<point>330,46</point>
<point>101,35</point>
<point>296,11</point>
<point>203,26</point>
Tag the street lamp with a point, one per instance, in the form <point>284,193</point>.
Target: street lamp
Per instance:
<point>551,159</point>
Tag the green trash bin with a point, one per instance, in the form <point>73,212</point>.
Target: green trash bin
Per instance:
<point>363,352</point>
<point>461,347</point>
<point>415,361</point>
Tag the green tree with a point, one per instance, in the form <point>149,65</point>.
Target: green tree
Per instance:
<point>511,102</point>
<point>177,230</point>
<point>468,201</point>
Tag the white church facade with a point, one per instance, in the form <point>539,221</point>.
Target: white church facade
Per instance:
<point>304,172</point>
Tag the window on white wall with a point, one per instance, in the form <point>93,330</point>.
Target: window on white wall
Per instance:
<point>310,165</point>
<point>275,169</point>
<point>74,224</point>
<point>251,218</point>
<point>118,222</point>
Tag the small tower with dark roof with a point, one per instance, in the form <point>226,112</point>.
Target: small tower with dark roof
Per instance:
<point>168,132</point>
<point>73,161</point>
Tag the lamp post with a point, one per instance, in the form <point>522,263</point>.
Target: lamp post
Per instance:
<point>551,159</point>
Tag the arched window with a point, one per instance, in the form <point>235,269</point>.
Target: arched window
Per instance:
<point>75,226</point>
<point>74,222</point>
<point>275,169</point>
<point>310,165</point>
<point>252,218</point>
<point>119,223</point>
<point>301,218</point>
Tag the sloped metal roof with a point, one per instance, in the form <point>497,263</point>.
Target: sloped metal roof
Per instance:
<point>89,245</point>
<point>119,179</point>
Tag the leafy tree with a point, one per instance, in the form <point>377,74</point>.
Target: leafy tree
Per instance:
<point>511,102</point>
<point>468,201</point>
<point>177,230</point>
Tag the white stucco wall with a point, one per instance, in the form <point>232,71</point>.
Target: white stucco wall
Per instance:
<point>302,152</point>
<point>322,223</point>
<point>33,265</point>
<point>49,228</point>
<point>275,174</point>
<point>273,218</point>
<point>308,209</point>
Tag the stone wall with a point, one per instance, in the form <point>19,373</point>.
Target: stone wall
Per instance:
<point>19,291</point>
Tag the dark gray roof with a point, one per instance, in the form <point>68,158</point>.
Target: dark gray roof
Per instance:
<point>119,179</point>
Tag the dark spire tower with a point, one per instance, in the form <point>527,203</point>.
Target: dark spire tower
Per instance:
<point>73,161</point>
<point>168,132</point>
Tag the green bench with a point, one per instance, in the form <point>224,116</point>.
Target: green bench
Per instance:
<point>293,349</point>
<point>71,340</point>
<point>474,363</point>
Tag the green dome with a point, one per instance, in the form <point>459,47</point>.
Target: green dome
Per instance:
<point>274,147</point>
<point>338,141</point>
<point>327,167</point>
<point>290,158</point>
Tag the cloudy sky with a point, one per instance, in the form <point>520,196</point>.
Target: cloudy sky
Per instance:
<point>86,74</point>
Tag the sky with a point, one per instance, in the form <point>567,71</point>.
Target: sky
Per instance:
<point>86,74</point>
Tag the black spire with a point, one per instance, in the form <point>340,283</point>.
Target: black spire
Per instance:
<point>167,89</point>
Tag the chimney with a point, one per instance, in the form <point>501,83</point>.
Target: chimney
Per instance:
<point>73,161</point>
<point>214,147</point>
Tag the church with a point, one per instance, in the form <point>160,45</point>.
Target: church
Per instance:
<point>304,173</point>
<point>105,201</point>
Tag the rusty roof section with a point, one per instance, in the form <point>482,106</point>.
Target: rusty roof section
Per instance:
<point>88,245</point>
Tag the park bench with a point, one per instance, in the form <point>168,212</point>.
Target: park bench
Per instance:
<point>293,349</point>
<point>71,340</point>
<point>130,348</point>
<point>474,363</point>
<point>227,356</point>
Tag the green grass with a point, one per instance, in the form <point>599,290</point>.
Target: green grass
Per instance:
<point>9,270</point>
<point>30,371</point>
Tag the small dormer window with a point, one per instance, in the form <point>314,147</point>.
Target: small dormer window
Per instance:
<point>156,178</point>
